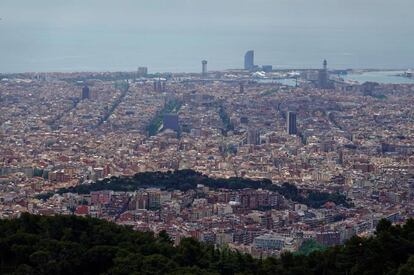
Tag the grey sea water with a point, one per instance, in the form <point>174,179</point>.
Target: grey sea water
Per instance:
<point>384,77</point>
<point>175,35</point>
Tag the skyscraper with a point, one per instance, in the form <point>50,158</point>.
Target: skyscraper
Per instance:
<point>85,92</point>
<point>253,137</point>
<point>159,86</point>
<point>323,80</point>
<point>291,123</point>
<point>249,60</point>
<point>204,67</point>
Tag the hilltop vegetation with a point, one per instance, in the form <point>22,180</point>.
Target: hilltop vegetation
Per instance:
<point>74,245</point>
<point>188,179</point>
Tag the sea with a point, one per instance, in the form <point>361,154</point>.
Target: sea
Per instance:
<point>35,49</point>
<point>383,77</point>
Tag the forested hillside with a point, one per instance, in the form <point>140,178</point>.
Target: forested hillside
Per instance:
<point>74,245</point>
<point>188,179</point>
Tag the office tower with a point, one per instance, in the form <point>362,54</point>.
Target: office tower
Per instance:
<point>291,123</point>
<point>159,86</point>
<point>142,71</point>
<point>170,121</point>
<point>249,60</point>
<point>85,92</point>
<point>323,81</point>
<point>204,67</point>
<point>253,137</point>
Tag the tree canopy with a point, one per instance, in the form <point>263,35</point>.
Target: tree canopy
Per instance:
<point>188,179</point>
<point>74,245</point>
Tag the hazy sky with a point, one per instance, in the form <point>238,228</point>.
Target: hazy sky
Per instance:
<point>208,14</point>
<point>46,28</point>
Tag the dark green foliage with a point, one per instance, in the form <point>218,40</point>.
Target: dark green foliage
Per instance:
<point>44,196</point>
<point>408,268</point>
<point>313,199</point>
<point>124,87</point>
<point>310,246</point>
<point>381,96</point>
<point>383,226</point>
<point>188,179</point>
<point>270,92</point>
<point>171,107</point>
<point>228,126</point>
<point>73,245</point>
<point>163,237</point>
<point>37,172</point>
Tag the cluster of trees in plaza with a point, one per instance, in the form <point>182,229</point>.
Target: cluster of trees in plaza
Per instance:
<point>124,87</point>
<point>171,106</point>
<point>189,179</point>
<point>74,245</point>
<point>228,125</point>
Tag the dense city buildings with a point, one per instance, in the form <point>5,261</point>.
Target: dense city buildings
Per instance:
<point>207,137</point>
<point>314,144</point>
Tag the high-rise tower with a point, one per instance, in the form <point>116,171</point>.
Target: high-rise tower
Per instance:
<point>204,67</point>
<point>249,60</point>
<point>253,137</point>
<point>85,92</point>
<point>291,123</point>
<point>323,79</point>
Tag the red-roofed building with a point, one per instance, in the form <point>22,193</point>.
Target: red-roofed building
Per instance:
<point>82,210</point>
